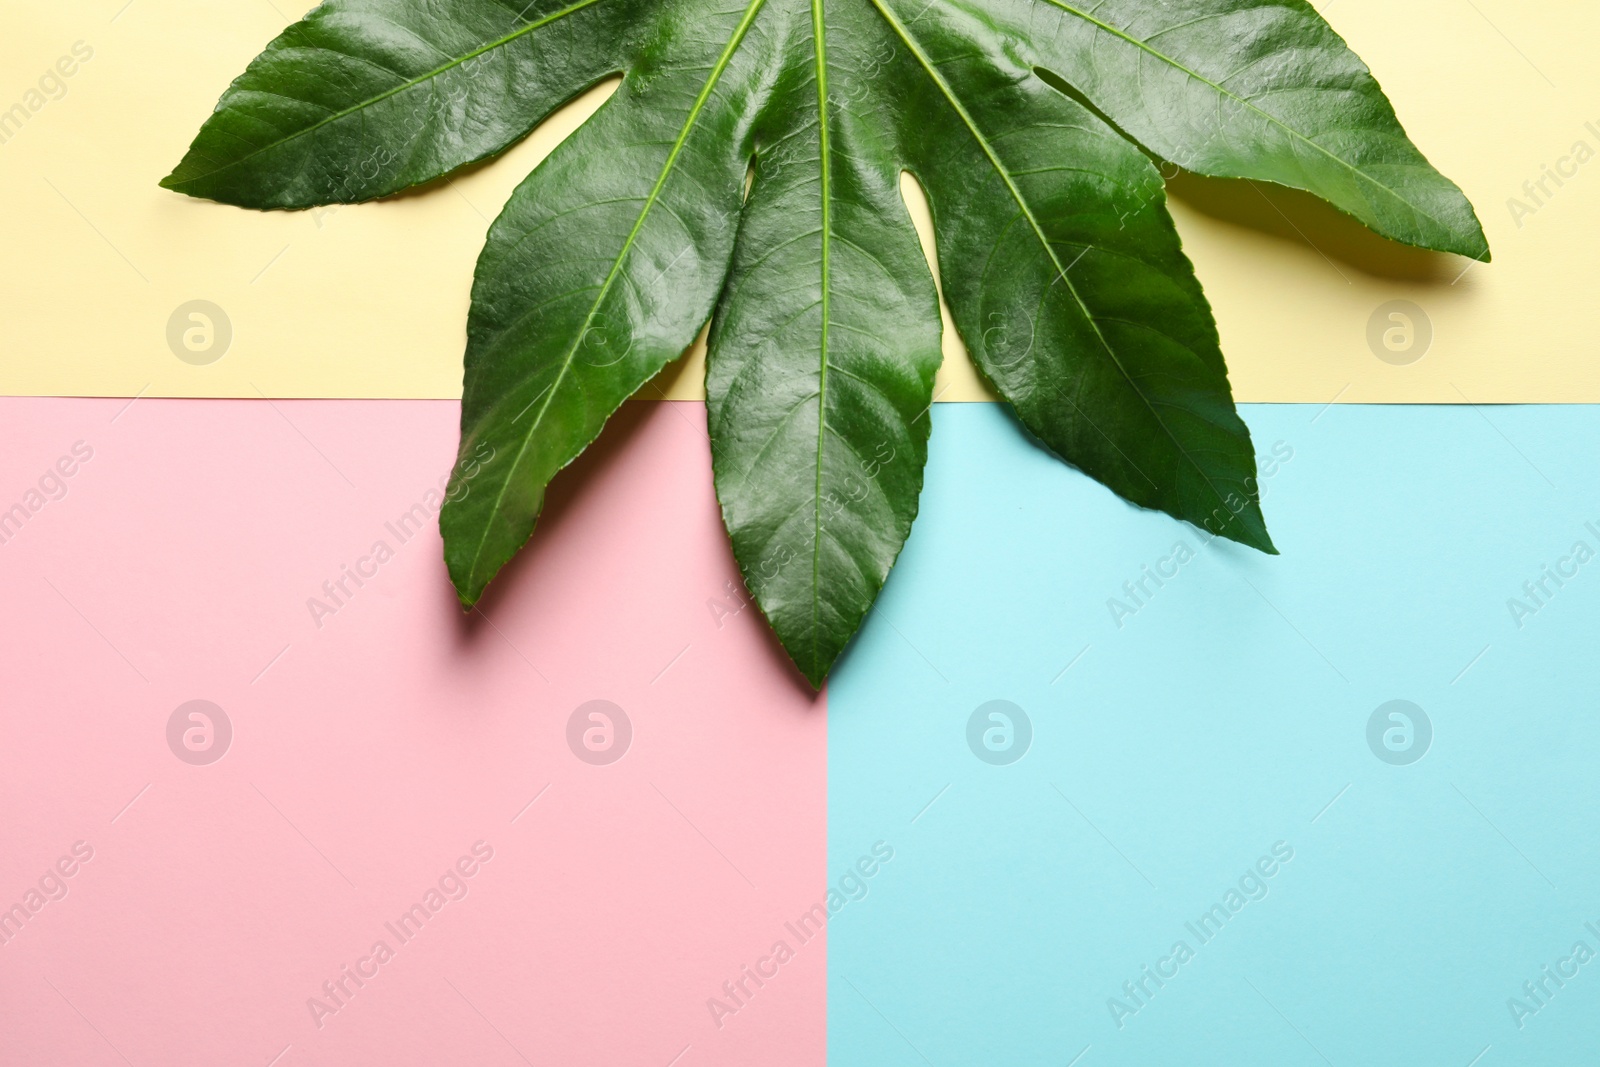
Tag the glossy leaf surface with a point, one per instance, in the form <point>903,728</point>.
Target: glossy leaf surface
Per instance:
<point>747,173</point>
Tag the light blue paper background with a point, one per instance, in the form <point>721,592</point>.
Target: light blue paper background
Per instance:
<point>1225,715</point>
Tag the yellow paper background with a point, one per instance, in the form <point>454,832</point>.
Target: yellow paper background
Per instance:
<point>370,301</point>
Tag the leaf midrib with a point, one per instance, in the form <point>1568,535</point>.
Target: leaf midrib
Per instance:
<point>1243,102</point>
<point>387,93</point>
<point>616,266</point>
<point>818,33</point>
<point>1027,213</point>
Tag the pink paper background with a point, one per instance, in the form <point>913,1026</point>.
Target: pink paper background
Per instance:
<point>369,754</point>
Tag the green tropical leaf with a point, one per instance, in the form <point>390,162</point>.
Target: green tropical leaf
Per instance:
<point>821,360</point>
<point>1244,89</point>
<point>363,98</point>
<point>747,172</point>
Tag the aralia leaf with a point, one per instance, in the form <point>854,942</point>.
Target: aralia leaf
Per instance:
<point>599,272</point>
<point>822,356</point>
<point>1244,89</point>
<point>1085,314</point>
<point>747,171</point>
<point>362,98</point>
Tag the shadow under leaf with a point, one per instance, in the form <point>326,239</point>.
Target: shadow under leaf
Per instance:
<point>1303,219</point>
